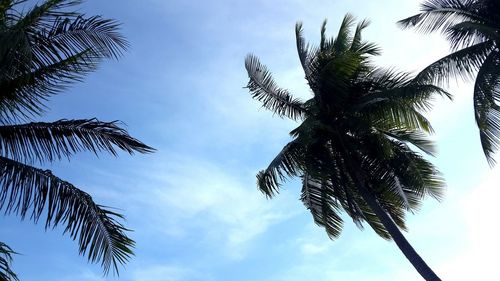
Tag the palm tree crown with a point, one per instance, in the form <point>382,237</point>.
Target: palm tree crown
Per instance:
<point>473,29</point>
<point>353,143</point>
<point>43,51</point>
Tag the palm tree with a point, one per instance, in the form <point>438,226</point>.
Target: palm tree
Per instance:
<point>42,51</point>
<point>352,147</point>
<point>473,29</point>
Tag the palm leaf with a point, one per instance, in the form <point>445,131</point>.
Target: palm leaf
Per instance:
<point>418,139</point>
<point>439,15</point>
<point>287,163</point>
<point>47,49</point>
<point>32,192</point>
<point>486,105</point>
<point>463,63</point>
<point>6,273</point>
<point>52,141</point>
<point>263,88</point>
<point>466,34</point>
<point>24,94</point>
<point>324,208</point>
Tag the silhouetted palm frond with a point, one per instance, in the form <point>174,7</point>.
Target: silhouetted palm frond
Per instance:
<point>46,49</point>
<point>6,273</point>
<point>33,193</point>
<point>51,141</point>
<point>264,89</point>
<point>473,29</point>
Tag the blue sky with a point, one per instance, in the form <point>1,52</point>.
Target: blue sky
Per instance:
<point>194,206</point>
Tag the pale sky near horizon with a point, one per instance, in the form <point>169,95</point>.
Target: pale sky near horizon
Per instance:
<point>194,206</point>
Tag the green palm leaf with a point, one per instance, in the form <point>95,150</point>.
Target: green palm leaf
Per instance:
<point>264,89</point>
<point>487,105</point>
<point>32,192</point>
<point>6,273</point>
<point>52,141</point>
<point>48,48</point>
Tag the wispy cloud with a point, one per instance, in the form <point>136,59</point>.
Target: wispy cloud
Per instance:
<point>192,195</point>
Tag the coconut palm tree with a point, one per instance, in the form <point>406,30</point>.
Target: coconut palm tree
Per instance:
<point>473,29</point>
<point>42,51</point>
<point>352,149</point>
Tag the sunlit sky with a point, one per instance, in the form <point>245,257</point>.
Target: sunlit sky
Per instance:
<point>194,206</point>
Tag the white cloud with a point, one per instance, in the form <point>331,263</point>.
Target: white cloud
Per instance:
<point>191,194</point>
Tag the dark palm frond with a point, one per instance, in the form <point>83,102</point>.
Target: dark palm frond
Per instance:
<point>52,141</point>
<point>263,88</point>
<point>418,139</point>
<point>49,48</point>
<point>466,34</point>
<point>24,94</point>
<point>487,105</point>
<point>356,39</point>
<point>32,192</point>
<point>391,114</point>
<point>43,15</point>
<point>72,36</point>
<point>303,51</point>
<point>344,38</point>
<point>6,273</point>
<point>439,15</point>
<point>418,175</point>
<point>287,163</point>
<point>463,63</point>
<point>323,206</point>
<point>398,87</point>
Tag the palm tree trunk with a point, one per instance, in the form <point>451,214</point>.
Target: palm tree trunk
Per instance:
<point>413,257</point>
<point>403,244</point>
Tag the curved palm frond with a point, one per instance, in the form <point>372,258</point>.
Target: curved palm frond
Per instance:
<point>52,141</point>
<point>324,207</point>
<point>487,105</point>
<point>466,34</point>
<point>463,63</point>
<point>391,85</point>
<point>415,138</point>
<point>49,48</point>
<point>439,15</point>
<point>6,273</point>
<point>32,192</point>
<point>286,164</point>
<point>263,88</point>
<point>24,94</point>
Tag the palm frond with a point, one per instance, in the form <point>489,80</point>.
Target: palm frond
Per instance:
<point>287,163</point>
<point>390,85</point>
<point>52,141</point>
<point>6,273</point>
<point>466,34</point>
<point>49,48</point>
<point>323,206</point>
<point>303,52</point>
<point>263,88</point>
<point>344,39</point>
<point>486,105</point>
<point>416,138</point>
<point>463,63</point>
<point>25,94</point>
<point>439,15</point>
<point>32,192</point>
